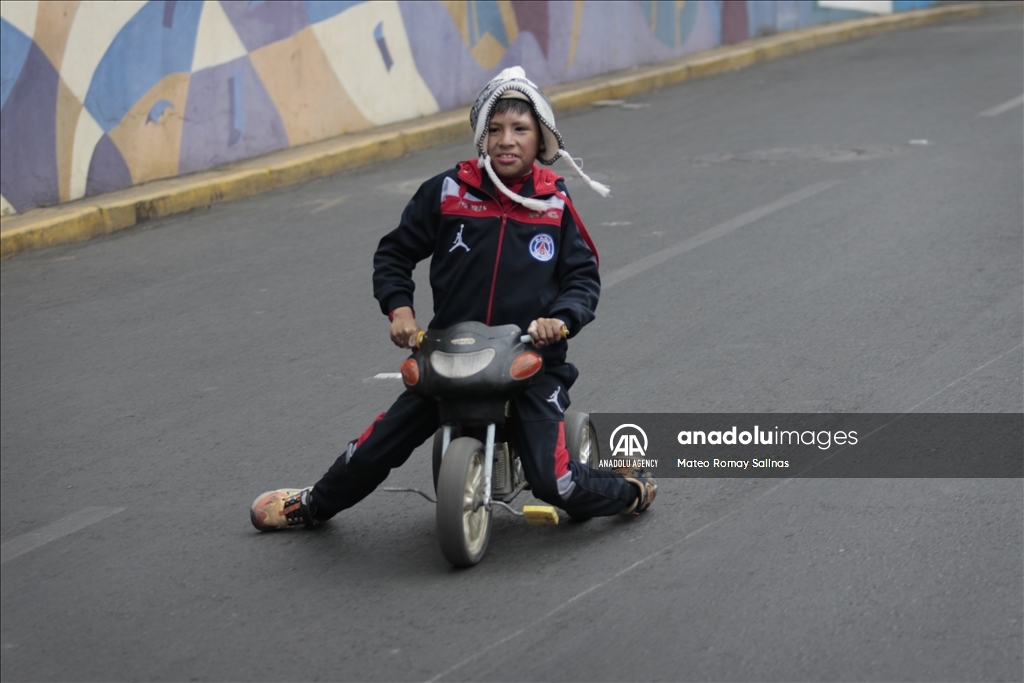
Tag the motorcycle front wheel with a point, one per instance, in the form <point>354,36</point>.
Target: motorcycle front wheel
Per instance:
<point>463,523</point>
<point>437,455</point>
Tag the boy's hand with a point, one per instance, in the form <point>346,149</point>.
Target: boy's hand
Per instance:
<point>404,328</point>
<point>547,331</point>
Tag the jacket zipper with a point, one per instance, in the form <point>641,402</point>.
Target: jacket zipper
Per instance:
<point>497,260</point>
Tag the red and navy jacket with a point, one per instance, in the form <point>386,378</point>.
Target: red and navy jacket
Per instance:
<point>493,262</point>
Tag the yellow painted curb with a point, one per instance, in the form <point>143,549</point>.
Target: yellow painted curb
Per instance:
<point>103,214</point>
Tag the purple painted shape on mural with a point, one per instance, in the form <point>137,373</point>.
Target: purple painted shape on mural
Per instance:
<point>28,127</point>
<point>454,76</point>
<point>169,13</point>
<point>236,108</point>
<point>449,73</point>
<point>532,17</point>
<point>209,119</point>
<point>706,30</point>
<point>107,169</point>
<point>735,28</point>
<point>267,22</point>
<point>617,37</point>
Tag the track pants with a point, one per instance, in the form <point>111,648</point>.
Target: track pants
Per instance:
<point>537,432</point>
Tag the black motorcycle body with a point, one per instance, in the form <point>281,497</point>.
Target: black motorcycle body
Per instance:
<point>472,371</point>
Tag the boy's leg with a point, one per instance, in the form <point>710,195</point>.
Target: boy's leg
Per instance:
<point>538,431</point>
<point>386,444</point>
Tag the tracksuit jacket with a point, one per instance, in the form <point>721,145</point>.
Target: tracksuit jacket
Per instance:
<point>493,261</point>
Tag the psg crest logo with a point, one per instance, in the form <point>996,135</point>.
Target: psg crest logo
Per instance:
<point>542,247</point>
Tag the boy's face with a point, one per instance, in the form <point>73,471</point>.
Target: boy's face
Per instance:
<point>513,140</point>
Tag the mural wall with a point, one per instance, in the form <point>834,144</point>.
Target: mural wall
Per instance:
<point>97,96</point>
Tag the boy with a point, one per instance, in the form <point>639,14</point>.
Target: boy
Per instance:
<point>506,246</point>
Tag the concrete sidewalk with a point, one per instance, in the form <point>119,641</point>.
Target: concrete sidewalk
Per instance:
<point>89,217</point>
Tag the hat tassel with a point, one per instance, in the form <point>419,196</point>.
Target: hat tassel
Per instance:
<point>532,204</point>
<point>597,187</point>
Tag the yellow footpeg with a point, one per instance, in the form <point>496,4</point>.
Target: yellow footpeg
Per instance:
<point>540,514</point>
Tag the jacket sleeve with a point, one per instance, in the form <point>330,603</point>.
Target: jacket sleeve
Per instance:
<point>579,281</point>
<point>401,249</point>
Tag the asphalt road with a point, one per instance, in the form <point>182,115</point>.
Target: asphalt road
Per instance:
<point>154,382</point>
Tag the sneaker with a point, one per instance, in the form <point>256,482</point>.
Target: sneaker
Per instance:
<point>283,508</point>
<point>645,484</point>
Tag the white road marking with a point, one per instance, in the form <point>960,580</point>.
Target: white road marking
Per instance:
<point>691,243</point>
<point>323,204</point>
<point>26,543</point>
<point>1004,107</point>
<point>960,379</point>
<point>785,482</point>
<point>388,375</point>
<point>545,618</point>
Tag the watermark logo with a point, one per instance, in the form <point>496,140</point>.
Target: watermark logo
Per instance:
<point>628,443</point>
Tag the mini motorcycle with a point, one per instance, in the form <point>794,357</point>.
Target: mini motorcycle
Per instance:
<point>472,370</point>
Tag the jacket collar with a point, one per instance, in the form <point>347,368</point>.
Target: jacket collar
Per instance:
<point>541,182</point>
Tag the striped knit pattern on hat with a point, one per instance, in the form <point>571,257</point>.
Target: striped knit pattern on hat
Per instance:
<point>512,82</point>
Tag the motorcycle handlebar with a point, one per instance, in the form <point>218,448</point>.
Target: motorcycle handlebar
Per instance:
<point>564,333</point>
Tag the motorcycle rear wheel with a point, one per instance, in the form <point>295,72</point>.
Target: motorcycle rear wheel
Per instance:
<point>463,523</point>
<point>581,442</point>
<point>581,438</point>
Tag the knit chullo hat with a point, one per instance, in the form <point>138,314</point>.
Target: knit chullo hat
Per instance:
<point>513,83</point>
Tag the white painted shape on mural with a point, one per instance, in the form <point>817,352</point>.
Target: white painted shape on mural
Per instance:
<point>382,96</point>
<point>872,6</point>
<point>217,42</point>
<point>87,135</point>
<point>5,207</point>
<point>21,15</point>
<point>96,25</point>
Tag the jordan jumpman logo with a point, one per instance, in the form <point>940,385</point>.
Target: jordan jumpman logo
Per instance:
<point>458,241</point>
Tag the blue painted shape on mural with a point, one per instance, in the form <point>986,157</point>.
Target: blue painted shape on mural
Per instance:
<point>787,15</point>
<point>906,5</point>
<point>318,10</point>
<point>378,35</point>
<point>485,17</point>
<point>236,106</point>
<point>761,17</point>
<point>253,3</point>
<point>28,127</point>
<point>157,110</point>
<point>14,47</point>
<point>142,53</point>
<point>664,18</point>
